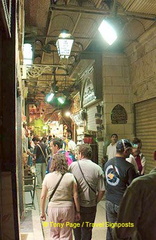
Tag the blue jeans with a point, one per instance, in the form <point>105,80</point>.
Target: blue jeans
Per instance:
<point>111,217</point>
<point>85,231</point>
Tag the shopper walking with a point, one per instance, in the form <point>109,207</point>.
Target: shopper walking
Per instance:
<point>137,210</point>
<point>56,146</point>
<point>118,174</point>
<point>90,181</point>
<point>63,207</point>
<point>40,160</point>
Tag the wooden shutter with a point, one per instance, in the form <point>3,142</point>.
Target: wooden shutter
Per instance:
<point>145,127</point>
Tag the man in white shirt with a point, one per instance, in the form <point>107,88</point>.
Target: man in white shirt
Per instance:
<point>111,149</point>
<point>71,146</point>
<point>131,159</point>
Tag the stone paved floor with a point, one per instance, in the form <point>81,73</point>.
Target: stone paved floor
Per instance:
<point>31,228</point>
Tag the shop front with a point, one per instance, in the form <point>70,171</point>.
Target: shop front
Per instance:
<point>92,112</point>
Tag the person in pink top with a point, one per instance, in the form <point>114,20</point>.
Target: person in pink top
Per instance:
<point>56,146</point>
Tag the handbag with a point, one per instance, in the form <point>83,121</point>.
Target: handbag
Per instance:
<point>54,191</point>
<point>85,178</point>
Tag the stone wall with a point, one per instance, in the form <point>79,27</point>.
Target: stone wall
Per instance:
<point>129,79</point>
<point>142,58</point>
<point>117,90</point>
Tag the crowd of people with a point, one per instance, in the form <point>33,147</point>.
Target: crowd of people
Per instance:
<point>130,193</point>
<point>38,151</point>
<point>74,184</point>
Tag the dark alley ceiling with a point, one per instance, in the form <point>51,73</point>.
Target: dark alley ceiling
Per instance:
<point>44,21</point>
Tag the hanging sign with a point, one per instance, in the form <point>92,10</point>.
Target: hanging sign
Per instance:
<point>89,95</point>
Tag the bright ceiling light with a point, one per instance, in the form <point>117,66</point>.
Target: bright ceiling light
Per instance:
<point>64,44</point>
<point>108,32</point>
<point>61,100</point>
<point>67,114</point>
<point>27,54</point>
<point>49,97</point>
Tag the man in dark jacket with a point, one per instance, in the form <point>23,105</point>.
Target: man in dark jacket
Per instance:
<point>118,174</point>
<point>137,212</point>
<point>40,160</point>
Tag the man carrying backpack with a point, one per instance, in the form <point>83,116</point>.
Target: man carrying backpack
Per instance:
<point>118,175</point>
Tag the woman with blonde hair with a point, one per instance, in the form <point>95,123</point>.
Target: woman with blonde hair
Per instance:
<point>63,207</point>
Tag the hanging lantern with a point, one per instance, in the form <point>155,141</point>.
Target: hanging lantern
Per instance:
<point>64,44</point>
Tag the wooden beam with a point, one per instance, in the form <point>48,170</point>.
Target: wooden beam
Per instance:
<point>102,12</point>
<point>49,26</point>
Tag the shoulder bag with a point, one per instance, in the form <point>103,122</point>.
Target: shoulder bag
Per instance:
<point>54,191</point>
<point>85,178</point>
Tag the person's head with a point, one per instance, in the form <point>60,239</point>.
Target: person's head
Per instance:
<point>35,140</point>
<point>135,151</point>
<point>56,144</point>
<point>85,151</point>
<point>59,163</point>
<point>24,125</point>
<point>49,138</point>
<point>44,139</point>
<point>124,147</point>
<point>114,138</point>
<point>137,143</point>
